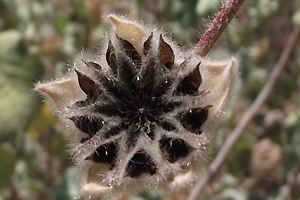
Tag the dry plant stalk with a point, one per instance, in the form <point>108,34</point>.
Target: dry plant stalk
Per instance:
<point>218,25</point>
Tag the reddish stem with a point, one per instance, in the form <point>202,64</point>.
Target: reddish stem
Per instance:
<point>217,26</point>
<point>248,116</point>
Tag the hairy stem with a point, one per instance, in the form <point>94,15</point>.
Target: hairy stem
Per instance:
<point>254,108</point>
<point>218,25</point>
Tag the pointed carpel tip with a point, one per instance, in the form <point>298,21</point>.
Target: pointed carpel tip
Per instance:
<point>78,73</point>
<point>161,37</point>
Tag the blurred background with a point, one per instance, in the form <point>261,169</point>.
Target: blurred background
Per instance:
<point>40,38</point>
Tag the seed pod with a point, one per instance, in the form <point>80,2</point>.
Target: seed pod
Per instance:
<point>147,116</point>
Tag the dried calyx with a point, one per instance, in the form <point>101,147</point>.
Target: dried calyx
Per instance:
<point>146,112</point>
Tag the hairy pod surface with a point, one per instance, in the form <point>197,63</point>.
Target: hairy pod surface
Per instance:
<point>144,111</point>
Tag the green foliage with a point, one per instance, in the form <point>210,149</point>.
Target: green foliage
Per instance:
<point>19,69</point>
<point>8,161</point>
<point>206,7</point>
<point>241,155</point>
<point>291,139</point>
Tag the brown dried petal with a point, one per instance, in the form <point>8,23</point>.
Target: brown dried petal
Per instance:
<point>130,51</point>
<point>111,58</point>
<point>191,83</point>
<point>88,124</point>
<point>87,85</point>
<point>166,53</point>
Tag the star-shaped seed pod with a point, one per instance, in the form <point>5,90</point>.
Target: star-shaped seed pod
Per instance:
<point>144,113</point>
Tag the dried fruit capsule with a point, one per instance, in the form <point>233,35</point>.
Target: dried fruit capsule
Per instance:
<point>147,112</point>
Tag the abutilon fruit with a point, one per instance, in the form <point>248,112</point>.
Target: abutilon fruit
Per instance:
<point>143,113</point>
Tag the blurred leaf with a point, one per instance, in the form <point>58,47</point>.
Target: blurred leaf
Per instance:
<point>11,46</point>
<point>42,122</point>
<point>72,180</point>
<point>16,106</point>
<point>7,166</point>
<point>261,10</point>
<point>18,72</point>
<point>231,194</point>
<point>205,7</point>
<point>226,181</point>
<point>148,196</point>
<point>9,18</point>
<point>291,140</point>
<point>256,79</point>
<point>69,190</point>
<point>296,17</point>
<point>266,7</point>
<point>239,158</point>
<point>256,195</point>
<point>60,22</point>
